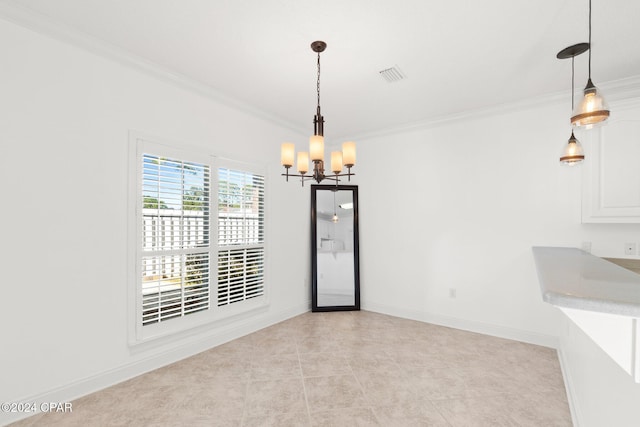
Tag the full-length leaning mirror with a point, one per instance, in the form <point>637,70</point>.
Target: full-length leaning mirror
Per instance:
<point>334,248</point>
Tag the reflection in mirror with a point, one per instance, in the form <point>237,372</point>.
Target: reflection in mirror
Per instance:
<point>335,248</point>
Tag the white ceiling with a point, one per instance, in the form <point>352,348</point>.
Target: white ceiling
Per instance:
<point>457,55</point>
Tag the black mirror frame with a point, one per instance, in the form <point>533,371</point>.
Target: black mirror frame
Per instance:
<point>314,252</point>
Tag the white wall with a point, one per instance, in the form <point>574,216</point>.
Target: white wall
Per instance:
<point>65,115</point>
<point>460,208</point>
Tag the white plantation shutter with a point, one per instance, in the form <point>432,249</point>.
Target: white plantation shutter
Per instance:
<point>240,274</point>
<point>175,238</point>
<point>240,236</point>
<point>199,239</point>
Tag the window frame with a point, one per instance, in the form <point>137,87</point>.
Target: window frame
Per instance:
<point>140,144</point>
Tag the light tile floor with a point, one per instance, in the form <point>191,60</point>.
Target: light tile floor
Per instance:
<point>340,369</point>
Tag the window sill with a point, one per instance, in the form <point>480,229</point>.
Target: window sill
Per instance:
<point>196,325</point>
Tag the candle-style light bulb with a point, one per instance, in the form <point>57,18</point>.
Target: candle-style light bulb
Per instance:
<point>303,162</point>
<point>287,152</point>
<point>349,154</point>
<point>336,162</point>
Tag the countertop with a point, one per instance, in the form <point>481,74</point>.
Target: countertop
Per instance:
<point>572,278</point>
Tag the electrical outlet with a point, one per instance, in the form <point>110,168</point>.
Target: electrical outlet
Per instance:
<point>586,246</point>
<point>629,248</point>
<point>452,292</point>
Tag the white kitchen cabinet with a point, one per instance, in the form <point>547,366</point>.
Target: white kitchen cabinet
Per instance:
<point>611,174</point>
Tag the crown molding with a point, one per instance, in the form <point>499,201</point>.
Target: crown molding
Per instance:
<point>42,24</point>
<point>623,91</point>
<point>619,92</point>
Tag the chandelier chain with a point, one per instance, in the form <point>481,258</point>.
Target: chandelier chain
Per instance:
<point>318,84</point>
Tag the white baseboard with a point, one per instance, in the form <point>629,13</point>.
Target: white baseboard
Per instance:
<point>466,325</point>
<point>91,384</point>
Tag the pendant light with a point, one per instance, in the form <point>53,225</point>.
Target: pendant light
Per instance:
<point>335,213</point>
<point>573,153</point>
<point>592,108</point>
<point>339,159</point>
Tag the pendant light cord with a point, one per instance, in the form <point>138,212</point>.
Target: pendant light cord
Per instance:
<point>589,39</point>
<point>573,59</point>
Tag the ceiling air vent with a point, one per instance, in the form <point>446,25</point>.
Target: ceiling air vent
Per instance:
<point>392,74</point>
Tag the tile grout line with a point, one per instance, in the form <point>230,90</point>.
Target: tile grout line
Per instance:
<point>246,398</point>
<point>370,404</point>
<point>304,387</point>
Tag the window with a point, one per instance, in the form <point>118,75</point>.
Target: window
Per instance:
<point>197,260</point>
<point>175,238</point>
<point>240,236</point>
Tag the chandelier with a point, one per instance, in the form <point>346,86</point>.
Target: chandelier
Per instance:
<point>339,159</point>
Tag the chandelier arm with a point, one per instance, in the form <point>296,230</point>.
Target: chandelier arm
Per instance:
<point>343,174</point>
<point>298,175</point>
<point>318,177</point>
